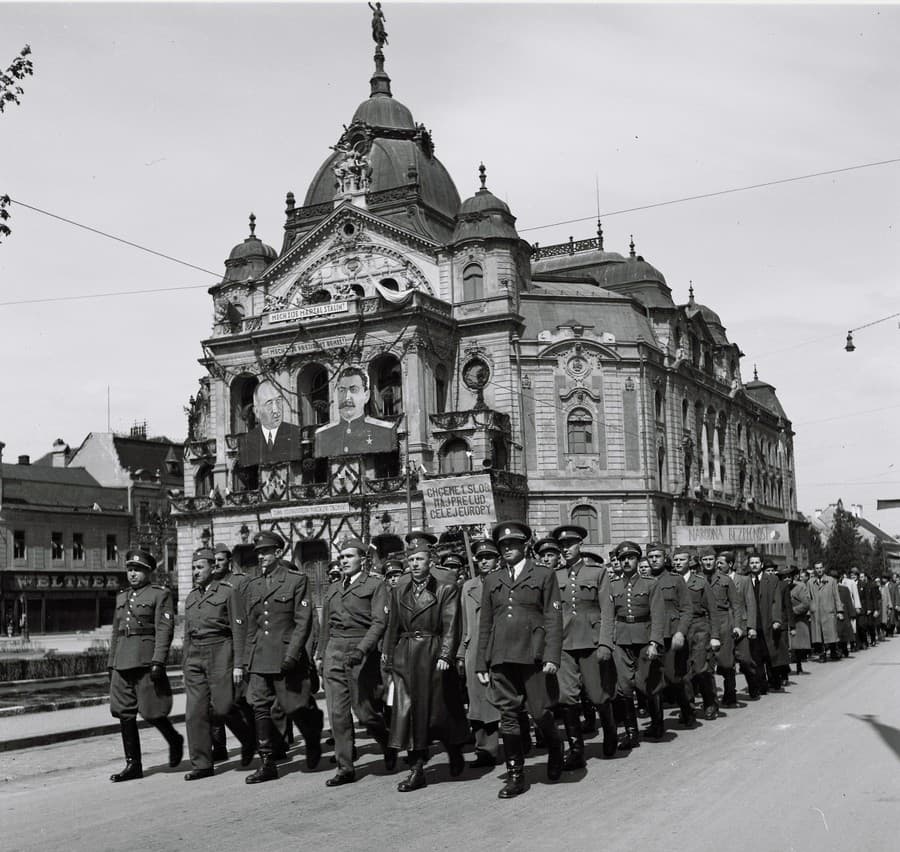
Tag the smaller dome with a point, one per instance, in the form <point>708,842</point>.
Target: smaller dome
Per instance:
<point>383,111</point>
<point>252,246</point>
<point>484,216</point>
<point>708,314</point>
<point>483,201</point>
<point>631,270</point>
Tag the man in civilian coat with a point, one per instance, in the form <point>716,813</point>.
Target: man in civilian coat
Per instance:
<point>846,632</point>
<point>801,643</point>
<point>769,621</point>
<point>826,609</point>
<point>279,621</point>
<point>730,608</point>
<point>587,648</point>
<point>519,650</point>
<point>725,563</point>
<point>142,630</point>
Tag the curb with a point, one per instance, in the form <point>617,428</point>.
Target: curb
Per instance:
<point>70,704</point>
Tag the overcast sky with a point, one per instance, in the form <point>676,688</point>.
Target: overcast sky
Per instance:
<point>167,125</point>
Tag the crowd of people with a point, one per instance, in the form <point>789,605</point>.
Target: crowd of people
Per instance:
<point>534,635</point>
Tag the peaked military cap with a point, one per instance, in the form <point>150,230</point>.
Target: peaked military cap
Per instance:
<point>222,548</point>
<point>266,539</point>
<point>484,547</point>
<point>591,558</point>
<point>453,561</point>
<point>547,543</point>
<point>204,553</point>
<point>352,541</point>
<point>140,559</point>
<point>516,530</point>
<point>567,532</point>
<point>628,548</point>
<point>394,564</point>
<point>419,540</point>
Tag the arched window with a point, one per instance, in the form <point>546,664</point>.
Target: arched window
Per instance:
<point>455,456</point>
<point>242,417</point>
<point>661,466</point>
<point>473,283</point>
<point>690,519</point>
<point>386,382</point>
<point>704,521</point>
<point>498,448</point>
<point>580,430</point>
<point>586,516</point>
<point>660,409</point>
<point>203,481</point>
<point>440,389</point>
<point>312,390</point>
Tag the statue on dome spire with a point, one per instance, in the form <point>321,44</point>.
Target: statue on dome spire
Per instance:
<point>379,33</point>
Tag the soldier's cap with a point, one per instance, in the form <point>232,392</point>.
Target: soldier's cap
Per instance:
<point>655,546</point>
<point>628,548</point>
<point>769,563</point>
<point>484,547</point>
<point>394,564</point>
<point>334,571</point>
<point>420,540</point>
<point>268,539</point>
<point>682,548</point>
<point>351,541</point>
<point>204,553</point>
<point>453,561</point>
<point>591,558</point>
<point>515,530</point>
<point>140,559</point>
<point>707,551</point>
<point>612,554</point>
<point>222,548</point>
<point>547,543</point>
<point>568,532</point>
<point>727,555</point>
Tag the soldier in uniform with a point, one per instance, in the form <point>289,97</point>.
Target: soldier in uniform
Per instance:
<point>394,568</point>
<point>142,630</point>
<point>639,616</point>
<point>279,622</point>
<point>519,649</point>
<point>354,618</point>
<point>676,602</point>
<point>587,648</point>
<point>214,637</point>
<point>732,621</point>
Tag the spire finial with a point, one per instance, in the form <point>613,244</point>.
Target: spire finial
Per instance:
<point>631,247</point>
<point>599,235</point>
<point>380,82</point>
<point>252,224</point>
<point>691,292</point>
<point>755,374</point>
<point>482,176</point>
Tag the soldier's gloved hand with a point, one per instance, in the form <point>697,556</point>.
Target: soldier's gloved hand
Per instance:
<point>715,644</point>
<point>677,640</point>
<point>483,678</point>
<point>737,633</point>
<point>157,672</point>
<point>355,657</point>
<point>604,654</point>
<point>288,664</point>
<point>751,633</point>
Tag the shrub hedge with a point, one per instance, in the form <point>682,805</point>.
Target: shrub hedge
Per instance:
<point>91,661</point>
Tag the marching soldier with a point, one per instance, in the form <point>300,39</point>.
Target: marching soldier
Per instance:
<point>354,617</point>
<point>142,630</point>
<point>639,617</point>
<point>279,621</point>
<point>519,649</point>
<point>587,644</point>
<point>732,621</point>
<point>214,634</point>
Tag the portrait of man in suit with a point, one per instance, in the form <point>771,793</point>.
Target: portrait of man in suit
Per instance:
<point>271,441</point>
<point>354,433</point>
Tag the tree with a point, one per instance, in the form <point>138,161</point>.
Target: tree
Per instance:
<point>842,548</point>
<point>10,91</point>
<point>876,566</point>
<point>815,547</point>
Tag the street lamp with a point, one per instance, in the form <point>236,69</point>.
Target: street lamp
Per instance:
<point>849,346</point>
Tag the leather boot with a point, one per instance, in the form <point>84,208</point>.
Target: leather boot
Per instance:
<point>630,738</point>
<point>310,721</point>
<point>707,686</point>
<point>608,724</point>
<point>729,695</point>
<point>656,730</point>
<point>131,745</point>
<point>547,726</point>
<point>236,723</point>
<point>525,733</point>
<point>515,767</point>
<point>457,761</point>
<point>219,747</point>
<point>416,779</point>
<point>173,738</point>
<point>267,770</point>
<point>590,717</point>
<point>574,759</point>
<point>687,717</point>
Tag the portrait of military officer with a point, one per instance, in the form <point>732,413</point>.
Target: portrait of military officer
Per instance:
<point>355,433</point>
<point>271,441</point>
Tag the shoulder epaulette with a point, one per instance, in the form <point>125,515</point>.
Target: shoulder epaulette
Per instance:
<point>160,587</point>
<point>295,571</point>
<point>226,583</point>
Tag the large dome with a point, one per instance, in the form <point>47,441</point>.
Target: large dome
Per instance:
<point>384,111</point>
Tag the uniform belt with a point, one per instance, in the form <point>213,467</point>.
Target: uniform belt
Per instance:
<point>205,637</point>
<point>724,608</point>
<point>137,631</point>
<point>346,634</point>
<point>417,634</point>
<point>633,619</point>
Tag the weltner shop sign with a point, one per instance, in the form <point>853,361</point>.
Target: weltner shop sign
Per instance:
<point>63,582</point>
<point>733,535</point>
<point>456,500</point>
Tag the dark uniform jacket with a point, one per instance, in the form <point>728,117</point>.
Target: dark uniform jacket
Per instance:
<point>638,610</point>
<point>355,437</point>
<point>676,601</point>
<point>279,619</point>
<point>728,603</point>
<point>744,587</point>
<point>217,612</point>
<point>357,612</point>
<point>703,607</point>
<point>586,607</point>
<point>521,620</point>
<point>142,629</point>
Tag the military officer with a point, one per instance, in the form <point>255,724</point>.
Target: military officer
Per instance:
<point>674,668</point>
<point>142,630</point>
<point>587,644</point>
<point>354,618</point>
<point>394,566</point>
<point>486,556</point>
<point>519,649</point>
<point>214,637</point>
<point>548,552</point>
<point>732,621</point>
<point>279,622</point>
<point>639,617</point>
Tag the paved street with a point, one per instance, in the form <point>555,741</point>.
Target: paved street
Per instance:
<point>813,769</point>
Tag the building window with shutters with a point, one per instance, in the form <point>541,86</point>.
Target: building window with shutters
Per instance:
<point>579,429</point>
<point>473,283</point>
<point>112,549</point>
<point>19,549</point>
<point>586,516</point>
<point>57,551</point>
<point>78,547</point>
<point>455,457</point>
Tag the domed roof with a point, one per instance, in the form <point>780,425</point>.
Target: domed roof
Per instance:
<point>631,270</point>
<point>708,314</point>
<point>381,110</point>
<point>484,216</point>
<point>248,258</point>
<point>252,247</point>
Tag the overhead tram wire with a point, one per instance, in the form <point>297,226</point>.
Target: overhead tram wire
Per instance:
<point>83,296</point>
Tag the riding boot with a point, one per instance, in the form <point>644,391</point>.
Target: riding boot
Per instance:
<point>631,738</point>
<point>237,724</point>
<point>608,724</point>
<point>729,695</point>
<point>173,738</point>
<point>687,716</point>
<point>574,759</point>
<point>131,745</point>
<point>656,729</point>
<point>547,726</point>
<point>267,770</point>
<point>707,685</point>
<point>589,711</point>
<point>217,738</point>
<point>515,767</point>
<point>310,721</point>
<point>525,733</point>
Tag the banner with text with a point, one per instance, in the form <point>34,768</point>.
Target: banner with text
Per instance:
<point>732,535</point>
<point>455,500</point>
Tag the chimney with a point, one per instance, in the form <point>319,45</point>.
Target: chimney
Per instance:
<point>24,460</point>
<point>59,455</point>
